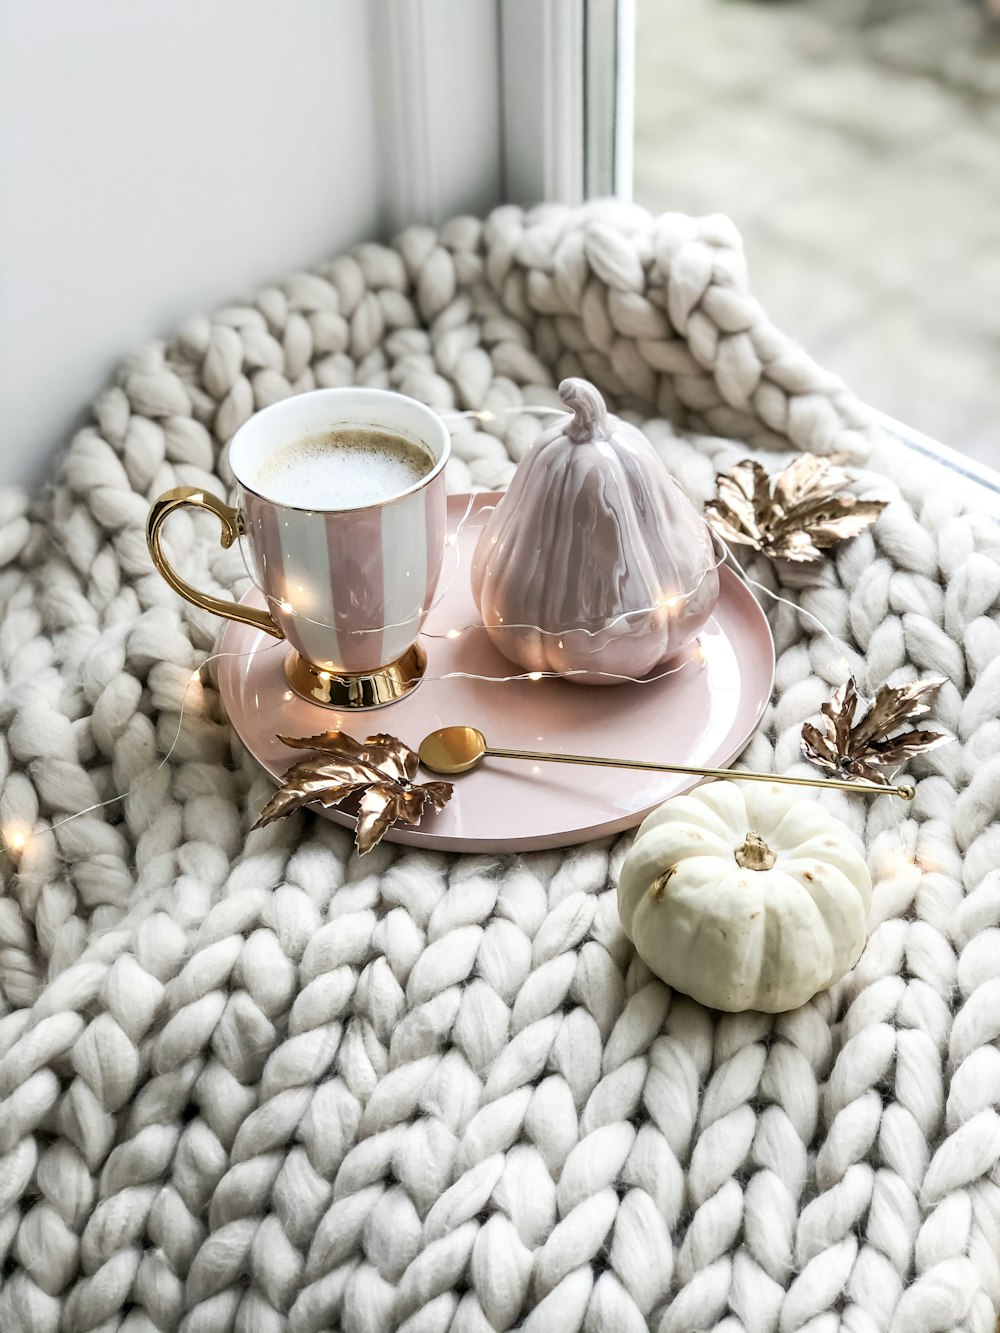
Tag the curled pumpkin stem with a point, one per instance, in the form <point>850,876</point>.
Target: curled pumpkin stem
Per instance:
<point>590,415</point>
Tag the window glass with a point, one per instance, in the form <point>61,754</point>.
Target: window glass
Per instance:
<point>856,144</point>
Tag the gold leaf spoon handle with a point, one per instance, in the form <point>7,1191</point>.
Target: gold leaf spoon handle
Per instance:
<point>458,749</point>
<point>875,788</point>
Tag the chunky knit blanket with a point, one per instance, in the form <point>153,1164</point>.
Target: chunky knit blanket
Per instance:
<point>251,1082</point>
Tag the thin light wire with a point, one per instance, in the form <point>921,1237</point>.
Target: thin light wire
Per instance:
<point>696,659</point>
<point>195,678</point>
<point>738,569</point>
<point>16,848</point>
<point>457,631</point>
<point>741,573</point>
<point>605,627</point>
<point>451,544</point>
<point>487,414</point>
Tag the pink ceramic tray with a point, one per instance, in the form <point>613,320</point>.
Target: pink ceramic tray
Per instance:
<point>702,714</point>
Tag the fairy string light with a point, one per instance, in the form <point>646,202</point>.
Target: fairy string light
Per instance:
<point>18,834</point>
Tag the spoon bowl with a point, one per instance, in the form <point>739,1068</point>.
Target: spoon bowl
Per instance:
<point>452,750</point>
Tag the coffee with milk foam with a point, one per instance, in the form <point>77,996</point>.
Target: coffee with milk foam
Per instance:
<point>345,468</point>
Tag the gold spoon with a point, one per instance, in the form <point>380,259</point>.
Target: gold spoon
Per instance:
<point>458,749</point>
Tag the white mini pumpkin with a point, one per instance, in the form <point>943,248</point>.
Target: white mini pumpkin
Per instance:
<point>745,896</point>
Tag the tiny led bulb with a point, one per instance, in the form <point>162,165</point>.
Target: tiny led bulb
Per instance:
<point>534,675</point>
<point>286,607</point>
<point>454,634</point>
<point>15,840</point>
<point>195,676</point>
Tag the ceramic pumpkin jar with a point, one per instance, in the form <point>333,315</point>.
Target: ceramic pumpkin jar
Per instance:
<point>745,896</point>
<point>594,565</point>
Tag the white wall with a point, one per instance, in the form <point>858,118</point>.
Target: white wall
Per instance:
<point>157,159</point>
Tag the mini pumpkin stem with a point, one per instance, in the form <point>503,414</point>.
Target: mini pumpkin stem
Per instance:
<point>659,885</point>
<point>590,416</point>
<point>754,854</point>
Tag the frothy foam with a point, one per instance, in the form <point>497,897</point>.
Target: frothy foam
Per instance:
<point>345,468</point>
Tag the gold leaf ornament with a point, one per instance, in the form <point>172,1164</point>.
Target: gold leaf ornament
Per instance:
<point>379,769</point>
<point>795,515</point>
<point>859,745</point>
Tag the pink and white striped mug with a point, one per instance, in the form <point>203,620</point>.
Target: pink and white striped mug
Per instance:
<point>347,587</point>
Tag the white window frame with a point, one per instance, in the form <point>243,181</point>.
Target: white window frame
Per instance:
<point>489,101</point>
<point>438,105</point>
<point>568,93</point>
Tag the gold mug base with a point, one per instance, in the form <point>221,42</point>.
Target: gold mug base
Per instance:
<point>356,692</point>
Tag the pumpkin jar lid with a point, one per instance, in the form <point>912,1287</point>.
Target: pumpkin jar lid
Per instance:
<point>595,565</point>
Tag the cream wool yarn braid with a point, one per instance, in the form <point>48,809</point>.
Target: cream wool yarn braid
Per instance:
<point>249,1082</point>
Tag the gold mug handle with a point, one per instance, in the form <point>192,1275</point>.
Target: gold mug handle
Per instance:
<point>232,527</point>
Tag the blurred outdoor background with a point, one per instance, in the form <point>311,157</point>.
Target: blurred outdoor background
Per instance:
<point>856,144</point>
